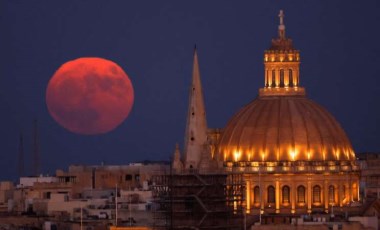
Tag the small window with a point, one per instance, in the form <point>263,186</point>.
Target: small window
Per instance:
<point>128,177</point>
<point>137,177</point>
<point>285,194</point>
<point>282,84</point>
<point>291,78</point>
<point>301,194</point>
<point>271,194</point>
<point>317,194</point>
<point>331,194</point>
<point>256,194</point>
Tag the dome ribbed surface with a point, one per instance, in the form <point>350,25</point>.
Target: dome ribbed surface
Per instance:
<point>284,128</point>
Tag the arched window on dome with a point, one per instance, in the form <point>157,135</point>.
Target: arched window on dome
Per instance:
<point>316,194</point>
<point>331,194</point>
<point>273,78</point>
<point>285,194</point>
<point>256,194</point>
<point>282,81</point>
<point>271,195</point>
<point>291,78</point>
<point>301,194</point>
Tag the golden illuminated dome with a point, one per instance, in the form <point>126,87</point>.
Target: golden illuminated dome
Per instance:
<point>284,128</point>
<point>282,124</point>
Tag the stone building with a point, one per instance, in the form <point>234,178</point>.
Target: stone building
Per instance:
<point>370,174</point>
<point>101,177</point>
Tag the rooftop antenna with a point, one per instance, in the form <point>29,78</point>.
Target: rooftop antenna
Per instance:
<point>21,156</point>
<point>36,149</point>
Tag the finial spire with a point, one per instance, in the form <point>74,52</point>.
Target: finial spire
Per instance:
<point>281,15</point>
<point>281,27</point>
<point>177,154</point>
<point>177,163</point>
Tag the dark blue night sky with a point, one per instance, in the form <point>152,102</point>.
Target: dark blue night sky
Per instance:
<point>153,42</point>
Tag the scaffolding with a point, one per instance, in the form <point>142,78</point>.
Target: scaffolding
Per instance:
<point>198,201</point>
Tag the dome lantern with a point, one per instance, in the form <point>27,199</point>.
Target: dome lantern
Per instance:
<point>281,62</point>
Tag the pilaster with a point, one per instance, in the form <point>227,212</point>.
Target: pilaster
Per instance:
<point>309,201</point>
<point>277,196</point>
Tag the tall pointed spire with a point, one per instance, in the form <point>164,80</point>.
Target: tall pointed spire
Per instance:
<point>196,127</point>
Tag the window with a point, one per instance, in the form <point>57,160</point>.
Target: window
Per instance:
<point>273,78</point>
<point>256,194</point>
<point>271,194</point>
<point>282,84</point>
<point>128,177</point>
<point>291,78</point>
<point>316,194</point>
<point>331,194</point>
<point>285,194</point>
<point>301,194</point>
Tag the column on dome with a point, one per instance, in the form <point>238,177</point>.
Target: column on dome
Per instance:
<point>293,196</point>
<point>325,197</point>
<point>340,194</point>
<point>277,196</point>
<point>248,196</point>
<point>350,184</point>
<point>252,194</point>
<point>295,77</point>
<point>309,202</point>
<point>266,77</point>
<point>286,77</point>
<point>355,191</point>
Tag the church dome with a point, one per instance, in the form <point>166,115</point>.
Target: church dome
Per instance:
<point>282,124</point>
<point>284,128</point>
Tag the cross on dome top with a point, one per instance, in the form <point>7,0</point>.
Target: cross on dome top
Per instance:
<point>281,16</point>
<point>281,27</point>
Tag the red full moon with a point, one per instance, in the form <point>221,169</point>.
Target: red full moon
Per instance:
<point>89,95</point>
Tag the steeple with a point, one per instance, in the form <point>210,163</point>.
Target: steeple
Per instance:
<point>196,127</point>
<point>282,63</point>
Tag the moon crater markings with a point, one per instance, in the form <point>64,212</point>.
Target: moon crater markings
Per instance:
<point>89,96</point>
